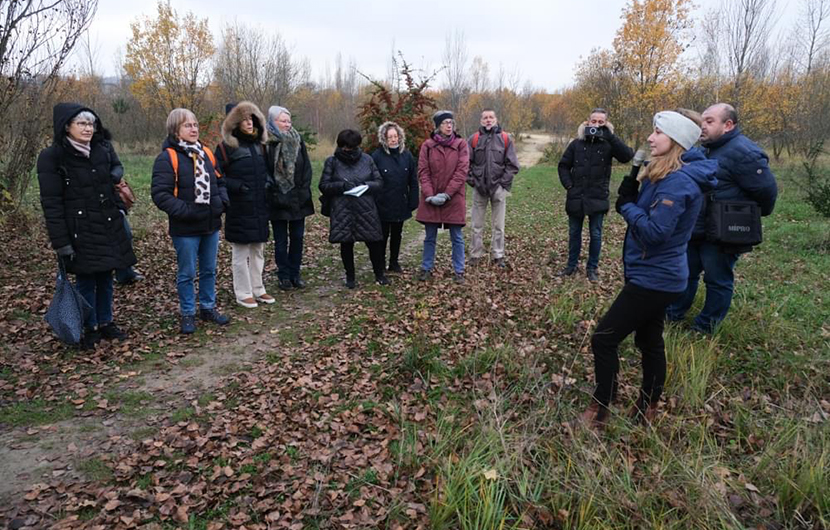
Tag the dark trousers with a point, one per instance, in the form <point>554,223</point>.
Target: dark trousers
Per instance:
<point>96,288</point>
<point>376,255</point>
<point>288,247</point>
<point>641,311</point>
<point>394,230</point>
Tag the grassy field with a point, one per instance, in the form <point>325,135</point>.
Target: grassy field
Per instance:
<point>441,406</point>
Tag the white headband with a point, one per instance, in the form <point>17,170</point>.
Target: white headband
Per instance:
<point>677,127</point>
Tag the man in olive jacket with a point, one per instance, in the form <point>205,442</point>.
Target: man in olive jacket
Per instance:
<point>585,171</point>
<point>493,164</point>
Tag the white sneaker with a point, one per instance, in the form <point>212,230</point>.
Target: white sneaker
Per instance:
<point>266,299</point>
<point>247,302</point>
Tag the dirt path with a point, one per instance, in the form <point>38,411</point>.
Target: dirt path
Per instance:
<point>531,147</point>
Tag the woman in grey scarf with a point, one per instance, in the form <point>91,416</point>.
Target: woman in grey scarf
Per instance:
<point>289,195</point>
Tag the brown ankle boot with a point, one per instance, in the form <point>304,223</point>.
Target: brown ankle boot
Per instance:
<point>643,412</point>
<point>595,417</point>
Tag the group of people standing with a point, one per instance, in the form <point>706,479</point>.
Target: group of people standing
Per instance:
<point>259,177</point>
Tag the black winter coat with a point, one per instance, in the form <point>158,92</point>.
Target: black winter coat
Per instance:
<point>244,174</point>
<point>399,196</point>
<point>79,201</point>
<point>297,203</point>
<point>175,196</point>
<point>585,171</point>
<point>352,218</point>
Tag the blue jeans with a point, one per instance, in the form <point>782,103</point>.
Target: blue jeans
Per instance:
<point>96,289</point>
<point>718,275</point>
<point>457,238</point>
<point>188,249</point>
<point>575,239</point>
<point>126,275</point>
<point>288,247</point>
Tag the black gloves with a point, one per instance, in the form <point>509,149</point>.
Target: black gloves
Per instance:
<point>622,200</point>
<point>629,186</point>
<point>347,185</point>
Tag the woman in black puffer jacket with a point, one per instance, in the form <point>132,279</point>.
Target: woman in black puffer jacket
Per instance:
<point>84,214</point>
<point>241,161</point>
<point>399,196</point>
<point>289,195</point>
<point>188,189</point>
<point>353,218</point>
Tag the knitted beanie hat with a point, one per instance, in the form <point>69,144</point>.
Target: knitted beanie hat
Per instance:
<point>677,127</point>
<point>440,116</point>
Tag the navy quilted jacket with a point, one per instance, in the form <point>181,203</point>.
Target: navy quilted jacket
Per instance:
<point>352,218</point>
<point>743,174</point>
<point>244,173</point>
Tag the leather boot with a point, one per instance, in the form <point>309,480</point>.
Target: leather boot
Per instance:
<point>643,411</point>
<point>595,417</point>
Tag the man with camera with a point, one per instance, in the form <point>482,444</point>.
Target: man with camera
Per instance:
<point>585,171</point>
<point>744,182</point>
<point>493,164</point>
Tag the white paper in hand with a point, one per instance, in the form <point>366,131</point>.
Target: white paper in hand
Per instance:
<point>357,191</point>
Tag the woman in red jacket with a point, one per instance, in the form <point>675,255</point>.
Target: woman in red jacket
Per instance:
<point>443,164</point>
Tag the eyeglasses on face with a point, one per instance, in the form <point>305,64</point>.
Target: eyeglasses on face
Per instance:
<point>190,125</point>
<point>84,124</point>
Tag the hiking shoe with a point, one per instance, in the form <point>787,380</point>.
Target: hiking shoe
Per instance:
<point>111,332</point>
<point>592,274</point>
<point>285,284</point>
<point>298,283</point>
<point>395,267</point>
<point>265,298</point>
<point>424,275</point>
<point>381,280</point>
<point>250,303</point>
<point>568,271</point>
<point>212,315</point>
<point>188,324</point>
<point>350,283</point>
<point>475,262</point>
<point>136,277</point>
<point>458,277</point>
<point>500,263</point>
<point>89,339</point>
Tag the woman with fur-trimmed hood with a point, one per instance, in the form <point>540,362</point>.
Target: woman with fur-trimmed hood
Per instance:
<point>242,160</point>
<point>399,196</point>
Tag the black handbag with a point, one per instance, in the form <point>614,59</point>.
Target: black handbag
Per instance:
<point>325,205</point>
<point>68,309</point>
<point>733,223</point>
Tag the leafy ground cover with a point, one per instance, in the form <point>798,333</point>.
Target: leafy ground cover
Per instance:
<point>424,405</point>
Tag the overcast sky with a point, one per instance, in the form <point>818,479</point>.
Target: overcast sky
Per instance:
<point>542,39</point>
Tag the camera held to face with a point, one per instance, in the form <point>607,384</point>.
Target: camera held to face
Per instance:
<point>595,132</point>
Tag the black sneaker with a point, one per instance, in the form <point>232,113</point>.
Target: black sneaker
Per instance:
<point>500,263</point>
<point>298,283</point>
<point>395,267</point>
<point>568,271</point>
<point>286,285</point>
<point>188,324</point>
<point>458,277</point>
<point>381,280</point>
<point>212,315</point>
<point>350,283</point>
<point>89,339</point>
<point>592,274</point>
<point>111,332</point>
<point>424,275</point>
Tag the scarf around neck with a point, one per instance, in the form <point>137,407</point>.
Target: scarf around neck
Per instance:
<point>440,139</point>
<point>348,157</point>
<point>84,149</point>
<point>201,185</point>
<point>287,149</point>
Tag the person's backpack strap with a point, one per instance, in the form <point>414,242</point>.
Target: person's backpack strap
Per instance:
<point>505,138</point>
<point>174,161</point>
<point>212,158</point>
<point>475,140</point>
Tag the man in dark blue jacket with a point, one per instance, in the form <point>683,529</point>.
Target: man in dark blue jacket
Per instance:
<point>743,175</point>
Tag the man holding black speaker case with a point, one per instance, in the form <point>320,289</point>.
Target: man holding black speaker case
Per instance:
<point>745,186</point>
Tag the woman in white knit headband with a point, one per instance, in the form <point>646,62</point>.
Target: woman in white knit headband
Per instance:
<point>660,218</point>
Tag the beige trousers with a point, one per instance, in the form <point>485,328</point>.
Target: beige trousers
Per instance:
<point>498,204</point>
<point>247,261</point>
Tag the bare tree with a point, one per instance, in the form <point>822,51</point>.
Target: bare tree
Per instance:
<point>255,66</point>
<point>811,32</point>
<point>36,39</point>
<point>455,68</point>
<point>479,75</point>
<point>747,25</point>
